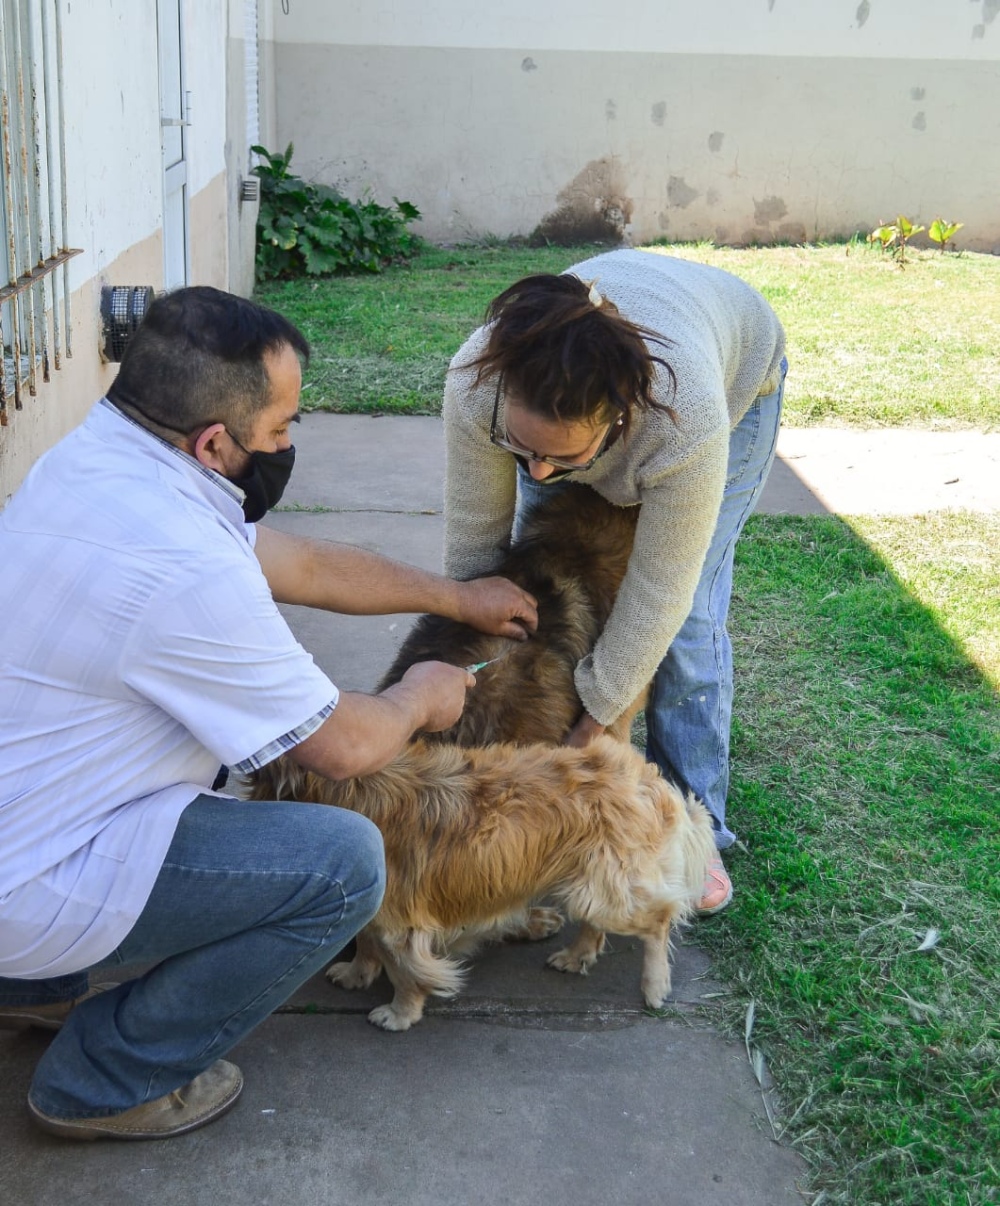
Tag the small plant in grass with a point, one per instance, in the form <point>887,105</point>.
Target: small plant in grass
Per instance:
<point>310,228</point>
<point>893,236</point>
<point>941,231</point>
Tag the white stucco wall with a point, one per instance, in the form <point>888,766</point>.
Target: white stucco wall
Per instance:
<point>741,120</point>
<point>239,94</point>
<point>112,130</point>
<point>113,160</point>
<point>854,28</point>
<point>115,188</point>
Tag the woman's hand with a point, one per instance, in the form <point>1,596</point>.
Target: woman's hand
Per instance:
<point>583,732</point>
<point>497,606</point>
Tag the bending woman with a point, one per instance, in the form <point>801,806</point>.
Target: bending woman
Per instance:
<point>652,380</point>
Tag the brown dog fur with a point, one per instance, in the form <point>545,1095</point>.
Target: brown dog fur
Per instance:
<point>572,556</point>
<point>472,836</point>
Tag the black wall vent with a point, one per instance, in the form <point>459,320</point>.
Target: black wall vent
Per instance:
<point>123,307</point>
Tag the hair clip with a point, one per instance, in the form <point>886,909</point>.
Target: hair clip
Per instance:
<point>593,296</point>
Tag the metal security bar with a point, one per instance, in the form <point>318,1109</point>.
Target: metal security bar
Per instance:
<point>34,294</point>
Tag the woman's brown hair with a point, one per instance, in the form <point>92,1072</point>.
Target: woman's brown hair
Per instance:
<point>565,352</point>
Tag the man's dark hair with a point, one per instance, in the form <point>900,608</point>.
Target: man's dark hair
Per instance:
<point>197,358</point>
<point>565,358</point>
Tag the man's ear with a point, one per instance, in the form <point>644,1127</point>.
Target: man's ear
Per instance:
<point>209,447</point>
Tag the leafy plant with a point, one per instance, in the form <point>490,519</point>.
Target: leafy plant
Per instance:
<point>303,227</point>
<point>941,231</point>
<point>894,236</point>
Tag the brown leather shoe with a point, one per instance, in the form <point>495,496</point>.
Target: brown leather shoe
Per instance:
<point>44,1017</point>
<point>207,1097</point>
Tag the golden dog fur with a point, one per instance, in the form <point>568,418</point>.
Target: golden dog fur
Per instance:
<point>487,817</point>
<point>474,835</point>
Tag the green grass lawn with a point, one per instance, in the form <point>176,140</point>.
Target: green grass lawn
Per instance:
<point>865,781</point>
<point>383,343</point>
<point>870,344</point>
<point>865,791</point>
<point>865,928</point>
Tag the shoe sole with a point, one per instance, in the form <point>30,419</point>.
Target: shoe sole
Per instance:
<point>88,1129</point>
<point>28,1022</point>
<point>11,1020</point>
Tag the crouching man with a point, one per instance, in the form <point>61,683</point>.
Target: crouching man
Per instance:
<point>142,649</point>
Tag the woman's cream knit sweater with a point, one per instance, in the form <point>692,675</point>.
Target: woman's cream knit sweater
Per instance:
<point>726,348</point>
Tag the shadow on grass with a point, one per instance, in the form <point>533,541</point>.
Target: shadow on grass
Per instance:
<point>866,920</point>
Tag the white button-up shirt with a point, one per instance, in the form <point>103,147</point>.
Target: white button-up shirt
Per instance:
<point>141,649</point>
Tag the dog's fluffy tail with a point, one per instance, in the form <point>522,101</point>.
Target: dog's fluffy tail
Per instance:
<point>415,958</point>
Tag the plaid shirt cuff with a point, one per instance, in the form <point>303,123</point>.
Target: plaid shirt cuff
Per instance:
<point>281,745</point>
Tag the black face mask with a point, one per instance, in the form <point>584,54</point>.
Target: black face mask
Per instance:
<point>264,481</point>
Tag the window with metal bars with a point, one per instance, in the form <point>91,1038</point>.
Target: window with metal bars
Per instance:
<point>34,294</point>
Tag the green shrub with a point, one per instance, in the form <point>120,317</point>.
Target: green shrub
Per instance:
<point>311,228</point>
<point>941,231</point>
<point>894,236</point>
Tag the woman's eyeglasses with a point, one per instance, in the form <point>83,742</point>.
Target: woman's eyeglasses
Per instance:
<point>498,437</point>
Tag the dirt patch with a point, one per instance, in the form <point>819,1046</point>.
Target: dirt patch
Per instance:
<point>592,208</point>
<point>771,209</point>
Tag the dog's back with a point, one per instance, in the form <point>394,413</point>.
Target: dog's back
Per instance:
<point>471,833</point>
<point>572,557</point>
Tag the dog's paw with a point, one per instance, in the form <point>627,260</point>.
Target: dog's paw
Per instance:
<point>351,975</point>
<point>653,998</point>
<point>543,923</point>
<point>537,923</point>
<point>568,960</point>
<point>386,1018</point>
<point>655,990</point>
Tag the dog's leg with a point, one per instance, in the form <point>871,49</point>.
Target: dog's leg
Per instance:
<point>364,968</point>
<point>656,965</point>
<point>581,954</point>
<point>621,729</point>
<point>526,925</point>
<point>416,972</point>
<point>533,925</point>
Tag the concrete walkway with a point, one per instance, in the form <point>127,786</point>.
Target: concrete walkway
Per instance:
<point>883,472</point>
<point>531,1088</point>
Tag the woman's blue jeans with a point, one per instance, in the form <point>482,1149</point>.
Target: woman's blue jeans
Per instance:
<point>252,900</point>
<point>689,714</point>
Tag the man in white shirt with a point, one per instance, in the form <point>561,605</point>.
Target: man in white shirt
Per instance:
<point>143,649</point>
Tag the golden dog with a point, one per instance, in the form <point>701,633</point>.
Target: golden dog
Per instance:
<point>486,817</point>
<point>474,835</point>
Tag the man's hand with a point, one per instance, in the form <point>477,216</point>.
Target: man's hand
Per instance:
<point>354,581</point>
<point>367,731</point>
<point>497,606</point>
<point>441,690</point>
<point>583,732</point>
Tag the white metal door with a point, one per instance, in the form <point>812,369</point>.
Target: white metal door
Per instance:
<point>173,126</point>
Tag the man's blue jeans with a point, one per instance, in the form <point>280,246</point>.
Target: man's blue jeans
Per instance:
<point>252,900</point>
<point>689,714</point>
